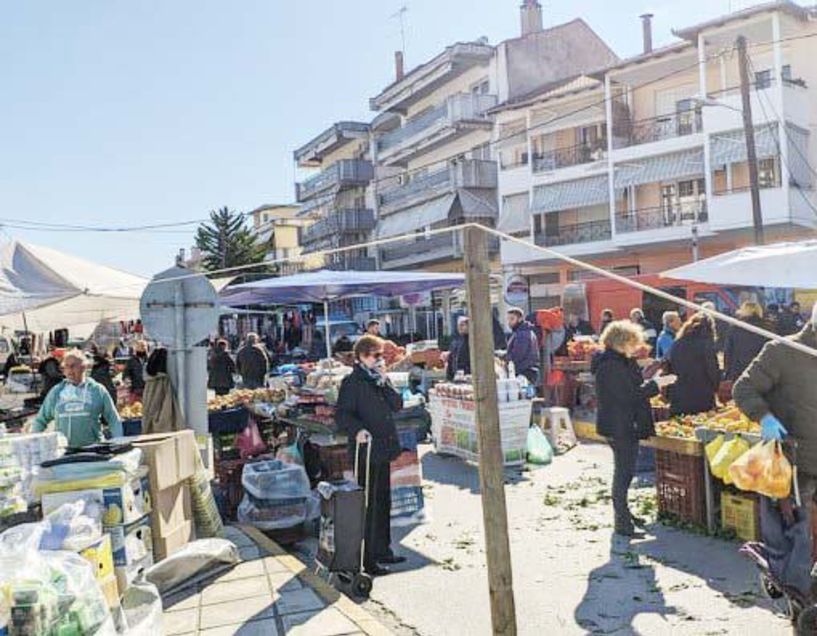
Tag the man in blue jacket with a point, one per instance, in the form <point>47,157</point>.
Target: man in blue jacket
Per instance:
<point>523,346</point>
<point>672,323</point>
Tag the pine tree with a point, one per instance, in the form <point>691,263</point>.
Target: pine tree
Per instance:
<point>225,241</point>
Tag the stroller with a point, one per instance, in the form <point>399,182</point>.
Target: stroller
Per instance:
<point>342,541</point>
<point>800,608</point>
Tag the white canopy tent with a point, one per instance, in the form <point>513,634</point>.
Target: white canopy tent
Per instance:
<point>790,265</point>
<point>42,289</point>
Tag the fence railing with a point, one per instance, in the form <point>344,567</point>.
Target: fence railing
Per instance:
<point>683,213</point>
<point>340,221</point>
<point>569,156</point>
<point>343,172</point>
<point>680,124</point>
<point>586,232</point>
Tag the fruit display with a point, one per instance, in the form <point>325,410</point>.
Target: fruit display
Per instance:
<point>727,420</point>
<point>582,350</point>
<point>240,397</point>
<point>392,353</point>
<point>131,411</point>
<point>328,374</point>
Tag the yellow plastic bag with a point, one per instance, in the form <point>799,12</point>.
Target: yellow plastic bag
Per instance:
<point>765,470</point>
<point>727,454</point>
<point>712,448</point>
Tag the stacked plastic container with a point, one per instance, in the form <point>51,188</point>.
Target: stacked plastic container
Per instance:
<point>275,495</point>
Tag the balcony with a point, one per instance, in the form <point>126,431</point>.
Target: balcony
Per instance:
<point>445,246</point>
<point>678,214</point>
<point>468,173</point>
<point>586,232</point>
<point>723,110</point>
<point>346,262</point>
<point>343,221</point>
<point>680,124</point>
<point>458,115</point>
<point>569,156</point>
<point>342,174</point>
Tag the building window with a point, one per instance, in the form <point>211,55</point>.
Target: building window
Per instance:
<point>767,173</point>
<point>763,79</point>
<point>481,89</point>
<point>482,152</point>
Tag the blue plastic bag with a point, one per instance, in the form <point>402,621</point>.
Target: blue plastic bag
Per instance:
<point>538,447</point>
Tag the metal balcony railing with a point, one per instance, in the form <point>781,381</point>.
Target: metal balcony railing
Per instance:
<point>339,222</point>
<point>586,232</point>
<point>358,263</point>
<point>569,156</point>
<point>683,213</point>
<point>420,247</point>
<point>346,172</point>
<point>680,124</point>
<point>457,108</point>
<point>468,173</point>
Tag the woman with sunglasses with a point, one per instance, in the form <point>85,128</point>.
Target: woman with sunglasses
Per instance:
<point>365,412</point>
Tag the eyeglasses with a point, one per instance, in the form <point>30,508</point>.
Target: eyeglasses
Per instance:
<point>377,355</point>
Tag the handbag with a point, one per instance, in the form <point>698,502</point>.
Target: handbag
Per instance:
<point>249,441</point>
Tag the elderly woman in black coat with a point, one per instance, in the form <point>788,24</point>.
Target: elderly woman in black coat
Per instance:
<point>694,360</point>
<point>624,413</point>
<point>365,410</point>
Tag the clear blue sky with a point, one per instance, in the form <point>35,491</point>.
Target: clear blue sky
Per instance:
<point>115,112</point>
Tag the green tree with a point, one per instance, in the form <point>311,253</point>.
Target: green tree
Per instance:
<point>226,241</point>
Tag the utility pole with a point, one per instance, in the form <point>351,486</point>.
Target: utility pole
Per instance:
<point>749,131</point>
<point>491,459</point>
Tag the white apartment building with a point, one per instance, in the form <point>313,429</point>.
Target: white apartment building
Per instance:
<point>635,166</point>
<point>431,142</point>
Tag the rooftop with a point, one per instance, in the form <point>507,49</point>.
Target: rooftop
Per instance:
<point>558,88</point>
<point>787,6</point>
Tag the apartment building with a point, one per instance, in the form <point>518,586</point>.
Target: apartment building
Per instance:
<point>431,141</point>
<point>334,198</point>
<point>279,228</point>
<point>641,166</point>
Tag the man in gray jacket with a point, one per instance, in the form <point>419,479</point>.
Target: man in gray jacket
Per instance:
<point>778,390</point>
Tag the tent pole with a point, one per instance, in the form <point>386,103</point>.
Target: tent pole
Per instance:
<point>326,328</point>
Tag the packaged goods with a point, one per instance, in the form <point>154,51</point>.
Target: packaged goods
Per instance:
<point>275,495</point>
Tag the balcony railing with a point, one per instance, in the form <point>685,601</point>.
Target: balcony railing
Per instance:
<point>418,247</point>
<point>340,222</point>
<point>569,156</point>
<point>457,108</point>
<point>468,173</point>
<point>358,263</point>
<point>683,213</point>
<point>586,232</point>
<point>680,124</point>
<point>346,172</point>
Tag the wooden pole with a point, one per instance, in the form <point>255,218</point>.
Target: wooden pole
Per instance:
<point>749,131</point>
<point>491,460</point>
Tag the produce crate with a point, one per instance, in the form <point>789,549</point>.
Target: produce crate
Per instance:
<point>679,480</point>
<point>334,461</point>
<point>228,421</point>
<point>741,513</point>
<point>406,501</point>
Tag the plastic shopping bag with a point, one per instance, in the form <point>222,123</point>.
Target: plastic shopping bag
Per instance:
<point>765,470</point>
<point>538,447</point>
<point>726,456</point>
<point>712,448</point>
<point>249,441</point>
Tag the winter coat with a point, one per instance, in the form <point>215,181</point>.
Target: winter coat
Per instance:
<point>459,357</point>
<point>101,372</point>
<point>161,412</point>
<point>740,347</point>
<point>650,332</point>
<point>135,372</point>
<point>523,348</point>
<point>252,363</point>
<point>624,411</point>
<point>363,404</point>
<point>694,361</point>
<point>663,345</point>
<point>781,381</point>
<point>51,372</point>
<point>221,368</point>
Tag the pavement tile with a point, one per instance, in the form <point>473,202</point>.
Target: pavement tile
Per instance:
<point>243,571</point>
<point>182,602</point>
<point>237,611</point>
<point>240,539</point>
<point>274,564</point>
<point>328,622</point>
<point>265,627</point>
<point>249,553</point>
<point>299,601</point>
<point>285,582</point>
<point>180,622</point>
<point>231,590</point>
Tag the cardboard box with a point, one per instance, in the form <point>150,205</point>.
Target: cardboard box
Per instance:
<point>173,541</point>
<point>131,542</point>
<point>100,555</point>
<point>122,504</point>
<point>170,457</point>
<point>110,590</point>
<point>173,507</point>
<point>125,575</point>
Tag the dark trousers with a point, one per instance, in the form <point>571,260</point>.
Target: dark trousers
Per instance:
<point>625,454</point>
<point>222,391</point>
<point>378,514</point>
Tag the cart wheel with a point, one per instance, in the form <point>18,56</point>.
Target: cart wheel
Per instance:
<point>362,585</point>
<point>769,588</point>
<point>345,577</point>
<point>807,622</point>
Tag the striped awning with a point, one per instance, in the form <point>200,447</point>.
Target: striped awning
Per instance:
<point>801,171</point>
<point>730,147</point>
<point>579,193</point>
<point>515,213</point>
<point>416,218</point>
<point>677,165</point>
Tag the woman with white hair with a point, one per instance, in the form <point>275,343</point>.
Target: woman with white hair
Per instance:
<point>77,405</point>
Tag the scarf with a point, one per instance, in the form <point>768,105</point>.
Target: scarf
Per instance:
<point>374,376</point>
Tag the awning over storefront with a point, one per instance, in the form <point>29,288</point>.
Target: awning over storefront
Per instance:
<point>415,218</point>
<point>579,193</point>
<point>677,165</point>
<point>515,213</point>
<point>730,147</point>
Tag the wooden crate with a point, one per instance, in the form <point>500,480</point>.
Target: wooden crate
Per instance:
<point>679,482</point>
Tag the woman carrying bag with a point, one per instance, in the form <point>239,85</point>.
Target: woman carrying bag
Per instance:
<point>365,411</point>
<point>624,412</point>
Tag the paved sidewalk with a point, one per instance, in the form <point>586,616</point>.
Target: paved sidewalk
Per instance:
<point>270,593</point>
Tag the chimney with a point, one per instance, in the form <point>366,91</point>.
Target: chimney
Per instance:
<point>531,17</point>
<point>646,30</point>
<point>398,65</point>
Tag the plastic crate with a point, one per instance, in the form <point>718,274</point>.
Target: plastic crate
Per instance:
<point>228,420</point>
<point>741,513</point>
<point>132,428</point>
<point>679,481</point>
<point>334,461</point>
<point>406,501</point>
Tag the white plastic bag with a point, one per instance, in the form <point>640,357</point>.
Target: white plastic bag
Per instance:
<point>270,514</point>
<point>142,605</point>
<point>273,479</point>
<point>194,558</point>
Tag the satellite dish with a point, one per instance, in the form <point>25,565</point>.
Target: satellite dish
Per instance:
<point>179,308</point>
